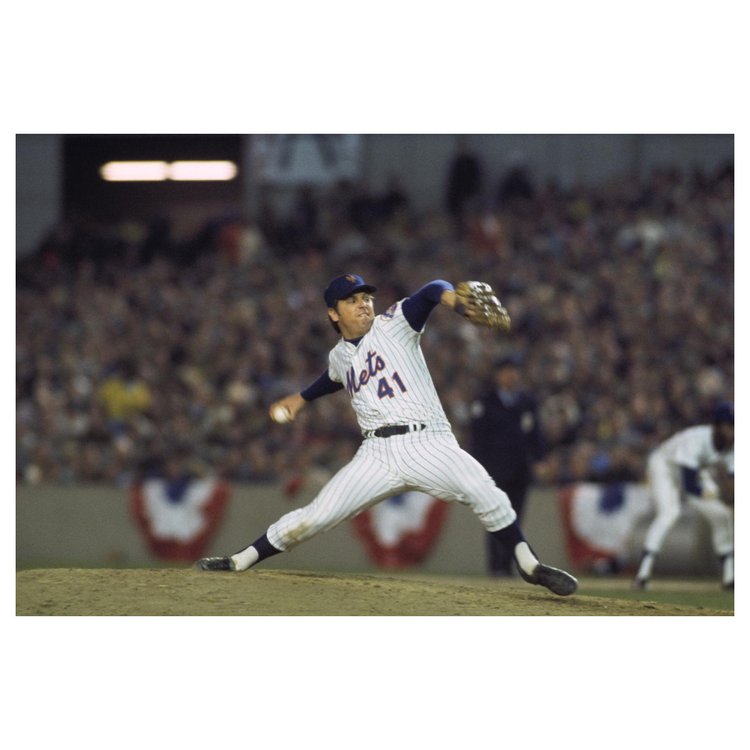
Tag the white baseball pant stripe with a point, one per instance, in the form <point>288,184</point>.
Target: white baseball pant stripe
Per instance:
<point>666,490</point>
<point>423,461</point>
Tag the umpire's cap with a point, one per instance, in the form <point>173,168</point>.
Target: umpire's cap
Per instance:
<point>724,413</point>
<point>509,360</point>
<point>344,286</point>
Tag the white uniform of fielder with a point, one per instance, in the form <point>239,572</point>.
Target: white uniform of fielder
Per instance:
<point>682,468</point>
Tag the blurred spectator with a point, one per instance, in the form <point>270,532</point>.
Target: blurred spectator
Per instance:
<point>124,395</point>
<point>464,182</point>
<point>394,199</point>
<point>621,297</point>
<point>515,187</point>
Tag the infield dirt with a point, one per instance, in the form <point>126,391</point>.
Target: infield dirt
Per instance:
<point>172,591</point>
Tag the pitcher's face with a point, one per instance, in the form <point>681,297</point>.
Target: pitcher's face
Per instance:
<point>354,314</point>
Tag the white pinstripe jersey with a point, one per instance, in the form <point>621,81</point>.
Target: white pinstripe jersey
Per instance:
<point>386,375</point>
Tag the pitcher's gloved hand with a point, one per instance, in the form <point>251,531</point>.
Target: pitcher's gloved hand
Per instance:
<point>476,301</point>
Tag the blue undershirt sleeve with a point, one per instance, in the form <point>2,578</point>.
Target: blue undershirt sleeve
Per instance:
<point>418,307</point>
<point>321,387</point>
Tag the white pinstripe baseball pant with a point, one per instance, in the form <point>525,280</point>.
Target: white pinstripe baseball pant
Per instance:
<point>427,461</point>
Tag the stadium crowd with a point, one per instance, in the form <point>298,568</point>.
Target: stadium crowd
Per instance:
<point>137,353</point>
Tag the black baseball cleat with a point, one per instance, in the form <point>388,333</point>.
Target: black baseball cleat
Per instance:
<point>557,581</point>
<point>214,563</point>
<point>641,584</point>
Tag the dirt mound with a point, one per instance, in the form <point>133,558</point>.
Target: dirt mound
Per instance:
<point>172,591</point>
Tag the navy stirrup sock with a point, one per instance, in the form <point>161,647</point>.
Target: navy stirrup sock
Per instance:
<point>265,548</point>
<point>510,536</point>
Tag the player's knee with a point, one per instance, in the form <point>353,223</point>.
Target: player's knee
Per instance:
<point>479,485</point>
<point>296,527</point>
<point>298,532</point>
<point>491,504</point>
<point>316,520</point>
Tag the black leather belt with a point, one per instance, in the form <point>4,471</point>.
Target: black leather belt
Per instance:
<point>394,429</point>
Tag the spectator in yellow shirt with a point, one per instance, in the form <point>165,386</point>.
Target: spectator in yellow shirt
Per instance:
<point>124,395</point>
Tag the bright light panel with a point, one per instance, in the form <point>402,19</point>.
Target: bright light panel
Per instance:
<point>134,171</point>
<point>202,170</point>
<point>158,171</point>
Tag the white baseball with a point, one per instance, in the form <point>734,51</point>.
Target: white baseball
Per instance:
<point>281,415</point>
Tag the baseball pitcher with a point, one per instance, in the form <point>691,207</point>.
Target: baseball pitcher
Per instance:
<point>407,439</point>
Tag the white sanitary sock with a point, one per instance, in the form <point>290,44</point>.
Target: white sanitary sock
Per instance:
<point>525,558</point>
<point>646,566</point>
<point>246,558</point>
<point>727,569</point>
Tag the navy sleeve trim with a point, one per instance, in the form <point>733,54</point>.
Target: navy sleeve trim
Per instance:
<point>418,307</point>
<point>321,387</point>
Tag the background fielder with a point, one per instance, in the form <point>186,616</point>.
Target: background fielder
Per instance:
<point>408,441</point>
<point>695,465</point>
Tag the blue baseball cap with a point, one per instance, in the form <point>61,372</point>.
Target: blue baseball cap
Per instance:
<point>724,413</point>
<point>344,286</point>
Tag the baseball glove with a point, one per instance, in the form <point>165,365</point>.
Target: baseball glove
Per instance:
<point>476,301</point>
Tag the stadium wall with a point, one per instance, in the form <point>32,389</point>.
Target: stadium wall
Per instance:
<point>91,525</point>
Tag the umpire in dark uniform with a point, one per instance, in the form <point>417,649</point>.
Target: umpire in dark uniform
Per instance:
<point>506,440</point>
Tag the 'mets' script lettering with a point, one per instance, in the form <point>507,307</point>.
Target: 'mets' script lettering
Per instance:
<point>374,365</point>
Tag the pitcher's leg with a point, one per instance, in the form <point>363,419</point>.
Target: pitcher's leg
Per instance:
<point>356,486</point>
<point>441,468</point>
<point>359,484</point>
